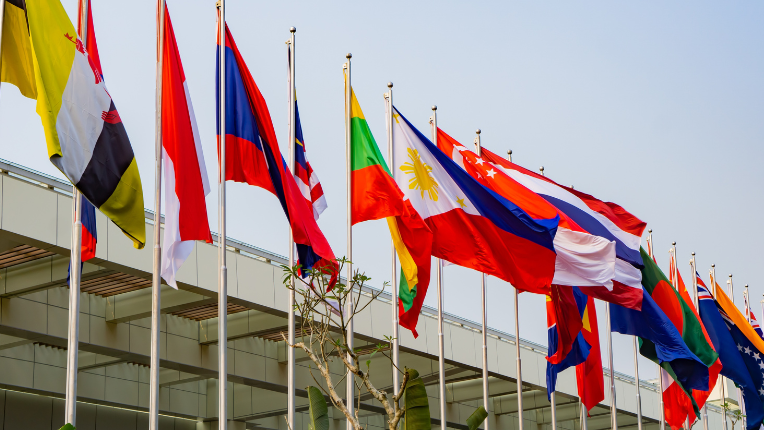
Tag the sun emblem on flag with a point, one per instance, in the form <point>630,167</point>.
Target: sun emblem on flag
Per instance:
<point>423,179</point>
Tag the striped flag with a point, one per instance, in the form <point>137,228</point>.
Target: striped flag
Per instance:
<point>185,174</point>
<point>84,133</point>
<point>306,178</point>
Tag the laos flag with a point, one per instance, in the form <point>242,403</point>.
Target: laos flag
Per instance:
<point>253,156</point>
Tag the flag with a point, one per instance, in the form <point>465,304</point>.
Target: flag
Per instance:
<point>185,174</point>
<point>599,218</point>
<point>375,195</point>
<point>565,308</point>
<point>589,375</point>
<point>16,61</point>
<point>678,405</point>
<point>472,226</point>
<point>740,349</point>
<point>752,317</point>
<point>253,157</point>
<point>84,133</point>
<point>583,259</point>
<point>89,236</point>
<point>307,180</point>
<point>670,333</point>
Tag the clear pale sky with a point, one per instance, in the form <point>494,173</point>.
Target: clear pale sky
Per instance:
<point>656,106</point>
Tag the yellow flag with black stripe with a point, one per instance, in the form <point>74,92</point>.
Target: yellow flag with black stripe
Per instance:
<point>83,130</point>
<point>16,65</point>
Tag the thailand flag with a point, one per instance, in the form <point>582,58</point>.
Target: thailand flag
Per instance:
<point>599,218</point>
<point>472,225</point>
<point>306,178</point>
<point>185,174</point>
<point>583,259</point>
<point>253,157</point>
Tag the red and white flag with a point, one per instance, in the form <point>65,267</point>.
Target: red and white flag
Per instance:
<point>185,175</point>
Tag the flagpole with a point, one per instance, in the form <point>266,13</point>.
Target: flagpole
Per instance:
<point>675,283</point>
<point>291,323</point>
<point>650,248</point>
<point>636,378</point>
<point>393,261</point>
<point>584,412</point>
<point>732,296</point>
<point>479,151</point>
<point>712,273</point>
<point>73,339</point>
<point>613,409</point>
<point>741,400</point>
<point>350,390</point>
<point>156,279</point>
<point>552,397</point>
<point>518,360</point>
<point>223,274</point>
<point>439,262</point>
<point>694,267</point>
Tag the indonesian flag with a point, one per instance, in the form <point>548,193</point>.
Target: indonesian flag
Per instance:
<point>185,174</point>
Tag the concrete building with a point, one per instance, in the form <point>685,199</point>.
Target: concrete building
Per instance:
<point>113,391</point>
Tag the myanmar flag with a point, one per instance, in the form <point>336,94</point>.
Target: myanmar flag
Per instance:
<point>83,130</point>
<point>685,319</point>
<point>375,195</point>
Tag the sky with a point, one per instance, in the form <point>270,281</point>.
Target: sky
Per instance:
<point>656,106</point>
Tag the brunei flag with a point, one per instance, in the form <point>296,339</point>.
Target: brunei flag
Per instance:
<point>16,64</point>
<point>375,195</point>
<point>83,130</point>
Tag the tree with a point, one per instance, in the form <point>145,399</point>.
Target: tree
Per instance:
<point>324,312</point>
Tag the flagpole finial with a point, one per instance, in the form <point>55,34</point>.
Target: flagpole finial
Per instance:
<point>713,265</point>
<point>650,231</point>
<point>477,131</point>
<point>292,29</point>
<point>693,254</point>
<point>673,243</point>
<point>509,152</point>
<point>389,85</point>
<point>349,56</point>
<point>730,275</point>
<point>542,170</point>
<point>434,107</point>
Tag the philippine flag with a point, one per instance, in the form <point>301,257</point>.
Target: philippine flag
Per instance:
<point>185,174</point>
<point>472,225</point>
<point>253,157</point>
<point>599,218</point>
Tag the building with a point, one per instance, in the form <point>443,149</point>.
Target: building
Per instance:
<point>113,390</point>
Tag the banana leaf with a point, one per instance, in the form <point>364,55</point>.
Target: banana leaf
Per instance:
<point>319,411</point>
<point>415,404</point>
<point>477,418</point>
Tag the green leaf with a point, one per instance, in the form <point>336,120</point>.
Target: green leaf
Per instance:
<point>319,412</point>
<point>415,404</point>
<point>67,427</point>
<point>477,418</point>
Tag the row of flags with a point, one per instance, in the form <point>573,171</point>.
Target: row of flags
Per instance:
<point>440,199</point>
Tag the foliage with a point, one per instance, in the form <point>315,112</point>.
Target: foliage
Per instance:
<point>319,412</point>
<point>734,415</point>
<point>477,418</point>
<point>67,427</point>
<point>324,311</point>
<point>415,404</point>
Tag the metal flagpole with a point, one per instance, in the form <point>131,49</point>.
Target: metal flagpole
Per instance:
<point>552,397</point>
<point>73,340</point>
<point>651,248</point>
<point>636,378</point>
<point>350,390</point>
<point>485,321</point>
<point>694,269</point>
<point>741,400</point>
<point>223,275</point>
<point>441,355</point>
<point>675,276</point>
<point>393,261</point>
<point>291,323</point>
<point>583,418</point>
<point>519,367</point>
<point>613,408</point>
<point>156,280</point>
<point>732,296</point>
<point>712,273</point>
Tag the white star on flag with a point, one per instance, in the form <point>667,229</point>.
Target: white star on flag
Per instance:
<point>479,161</point>
<point>740,348</point>
<point>747,350</point>
<point>490,173</point>
<point>761,365</point>
<point>756,355</point>
<point>761,391</point>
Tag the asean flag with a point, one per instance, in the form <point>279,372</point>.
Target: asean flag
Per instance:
<point>253,157</point>
<point>185,174</point>
<point>472,226</point>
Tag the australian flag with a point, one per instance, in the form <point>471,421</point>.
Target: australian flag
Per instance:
<point>742,361</point>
